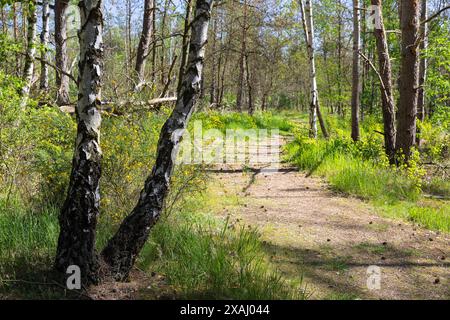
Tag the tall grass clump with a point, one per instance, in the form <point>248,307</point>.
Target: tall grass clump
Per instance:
<point>205,257</point>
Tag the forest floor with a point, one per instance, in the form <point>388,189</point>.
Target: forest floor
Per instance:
<point>328,241</point>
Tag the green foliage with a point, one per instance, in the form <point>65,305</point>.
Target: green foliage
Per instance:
<point>438,76</point>
<point>361,169</point>
<point>353,168</point>
<point>52,134</point>
<point>201,255</point>
<point>235,120</point>
<point>204,257</point>
<point>435,141</point>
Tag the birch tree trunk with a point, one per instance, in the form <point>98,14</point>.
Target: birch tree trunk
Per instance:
<point>15,34</point>
<point>122,250</point>
<point>387,97</point>
<point>28,70</point>
<point>162,56</point>
<point>61,58</point>
<point>356,82</point>
<point>78,218</point>
<point>409,76</point>
<point>212,88</point>
<point>314,108</point>
<point>423,63</point>
<point>185,47</point>
<point>144,43</point>
<point>45,34</point>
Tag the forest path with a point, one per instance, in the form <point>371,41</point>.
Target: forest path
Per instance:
<point>311,232</point>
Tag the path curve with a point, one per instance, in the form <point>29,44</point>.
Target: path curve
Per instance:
<point>332,241</point>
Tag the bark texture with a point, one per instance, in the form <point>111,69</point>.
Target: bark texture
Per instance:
<point>314,108</point>
<point>45,34</point>
<point>185,47</point>
<point>423,63</point>
<point>409,76</point>
<point>78,218</point>
<point>122,250</point>
<point>28,70</point>
<point>61,58</point>
<point>356,74</point>
<point>242,55</point>
<point>387,97</point>
<point>144,42</point>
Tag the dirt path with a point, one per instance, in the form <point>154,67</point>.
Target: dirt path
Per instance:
<point>331,241</point>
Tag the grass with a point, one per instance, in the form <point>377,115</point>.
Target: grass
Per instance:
<point>361,170</point>
<point>205,257</point>
<point>200,255</point>
<point>233,120</point>
<point>372,248</point>
<point>434,215</point>
<point>341,296</point>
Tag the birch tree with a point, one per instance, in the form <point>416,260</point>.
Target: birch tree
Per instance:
<point>45,34</point>
<point>122,250</point>
<point>78,217</point>
<point>314,108</point>
<point>423,62</point>
<point>28,71</point>
<point>356,73</point>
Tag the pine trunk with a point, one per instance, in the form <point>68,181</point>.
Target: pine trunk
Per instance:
<point>387,97</point>
<point>409,76</point>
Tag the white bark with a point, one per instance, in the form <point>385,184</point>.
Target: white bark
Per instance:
<point>78,219</point>
<point>31,49</point>
<point>308,25</point>
<point>356,82</point>
<point>45,34</point>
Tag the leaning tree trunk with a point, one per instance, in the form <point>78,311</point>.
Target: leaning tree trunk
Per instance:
<point>387,97</point>
<point>144,43</point>
<point>409,76</point>
<point>78,218</point>
<point>356,82</point>
<point>61,58</point>
<point>28,70</point>
<point>45,34</point>
<point>122,250</point>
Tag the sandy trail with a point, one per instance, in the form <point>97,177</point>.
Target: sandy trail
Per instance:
<point>332,240</point>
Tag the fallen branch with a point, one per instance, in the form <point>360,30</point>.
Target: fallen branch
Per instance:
<point>105,104</point>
